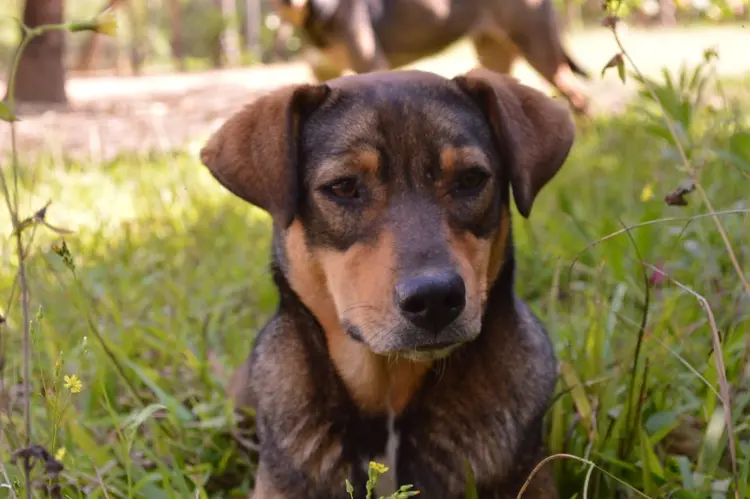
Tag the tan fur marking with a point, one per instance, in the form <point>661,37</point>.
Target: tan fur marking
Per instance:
<point>499,243</point>
<point>355,285</point>
<point>307,279</point>
<point>451,157</point>
<point>472,256</point>
<point>448,158</point>
<point>361,281</point>
<point>366,160</point>
<point>294,14</point>
<point>369,159</point>
<point>406,378</point>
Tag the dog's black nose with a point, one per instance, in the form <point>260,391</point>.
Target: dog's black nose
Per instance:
<point>431,301</point>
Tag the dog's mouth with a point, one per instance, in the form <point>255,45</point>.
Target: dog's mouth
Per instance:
<point>429,353</point>
<point>418,349</point>
<point>436,347</point>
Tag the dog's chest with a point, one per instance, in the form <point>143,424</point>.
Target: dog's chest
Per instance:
<point>387,483</point>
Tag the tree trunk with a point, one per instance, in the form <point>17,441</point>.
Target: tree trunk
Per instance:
<point>667,13</point>
<point>226,47</point>
<point>176,36</point>
<point>217,50</point>
<point>41,70</point>
<point>230,36</point>
<point>137,12</point>
<point>252,20</point>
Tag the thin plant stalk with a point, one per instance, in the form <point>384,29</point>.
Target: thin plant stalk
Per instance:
<point>12,203</point>
<point>720,366</point>
<point>13,211</point>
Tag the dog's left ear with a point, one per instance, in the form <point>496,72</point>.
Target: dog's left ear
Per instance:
<point>533,132</point>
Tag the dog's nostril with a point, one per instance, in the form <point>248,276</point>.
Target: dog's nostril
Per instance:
<point>414,304</point>
<point>432,301</point>
<point>455,300</point>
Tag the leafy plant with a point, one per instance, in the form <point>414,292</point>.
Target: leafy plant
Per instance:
<point>374,471</point>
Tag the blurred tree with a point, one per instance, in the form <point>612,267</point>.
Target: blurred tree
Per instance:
<point>667,13</point>
<point>226,47</point>
<point>138,14</point>
<point>41,71</point>
<point>176,36</point>
<point>251,27</point>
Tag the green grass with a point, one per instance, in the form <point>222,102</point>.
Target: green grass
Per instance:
<point>171,271</point>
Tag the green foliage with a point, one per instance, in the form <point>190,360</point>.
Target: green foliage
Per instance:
<point>374,471</point>
<point>638,359</point>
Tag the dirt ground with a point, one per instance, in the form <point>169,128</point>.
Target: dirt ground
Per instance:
<point>107,115</point>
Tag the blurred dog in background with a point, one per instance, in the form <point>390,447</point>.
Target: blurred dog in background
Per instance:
<point>371,35</point>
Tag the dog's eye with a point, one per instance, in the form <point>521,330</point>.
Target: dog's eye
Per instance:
<point>470,181</point>
<point>346,188</point>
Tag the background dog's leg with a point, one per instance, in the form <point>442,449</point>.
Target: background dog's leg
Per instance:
<point>496,52</point>
<point>325,68</point>
<point>363,49</point>
<point>533,28</point>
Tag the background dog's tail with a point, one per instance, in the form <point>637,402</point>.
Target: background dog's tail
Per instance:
<point>577,69</point>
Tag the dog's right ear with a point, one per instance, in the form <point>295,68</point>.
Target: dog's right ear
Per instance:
<point>534,132</point>
<point>254,154</point>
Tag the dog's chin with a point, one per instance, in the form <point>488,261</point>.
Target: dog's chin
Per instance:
<point>412,344</point>
<point>418,355</point>
<point>418,351</point>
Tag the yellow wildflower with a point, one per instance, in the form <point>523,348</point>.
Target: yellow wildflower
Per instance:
<point>106,23</point>
<point>60,454</point>
<point>647,193</point>
<point>73,383</point>
<point>380,468</point>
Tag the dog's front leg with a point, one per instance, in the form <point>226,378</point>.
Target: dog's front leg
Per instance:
<point>264,487</point>
<point>362,46</point>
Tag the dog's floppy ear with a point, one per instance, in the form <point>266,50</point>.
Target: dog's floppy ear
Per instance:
<point>533,132</point>
<point>254,153</point>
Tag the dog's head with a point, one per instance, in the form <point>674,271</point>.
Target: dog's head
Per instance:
<point>390,193</point>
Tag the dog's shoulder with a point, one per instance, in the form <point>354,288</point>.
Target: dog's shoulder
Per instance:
<point>283,376</point>
<point>273,342</point>
<point>533,335</point>
<point>279,369</point>
<point>520,357</point>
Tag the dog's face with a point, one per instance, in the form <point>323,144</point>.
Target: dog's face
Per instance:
<point>390,190</point>
<point>400,201</point>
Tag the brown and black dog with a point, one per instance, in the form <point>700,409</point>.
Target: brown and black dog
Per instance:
<point>398,332</point>
<point>376,35</point>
